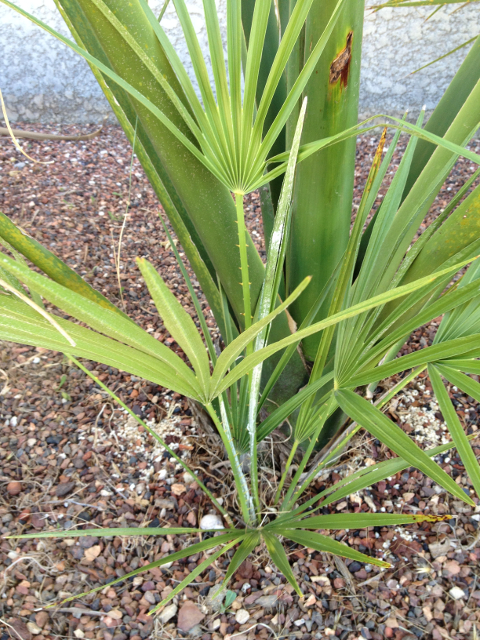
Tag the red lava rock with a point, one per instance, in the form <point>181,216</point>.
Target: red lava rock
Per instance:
<point>14,488</point>
<point>41,618</point>
<point>38,520</point>
<point>21,628</point>
<point>253,597</point>
<point>452,567</point>
<point>64,488</point>
<point>246,570</point>
<point>23,588</point>
<point>361,575</point>
<point>192,518</point>
<point>110,622</point>
<point>189,616</point>
<point>144,618</point>
<point>286,598</point>
<point>24,516</point>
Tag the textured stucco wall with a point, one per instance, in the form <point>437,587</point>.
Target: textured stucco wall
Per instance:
<point>399,41</point>
<point>42,80</point>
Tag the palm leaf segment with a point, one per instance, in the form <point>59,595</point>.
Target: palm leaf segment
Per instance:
<point>228,130</point>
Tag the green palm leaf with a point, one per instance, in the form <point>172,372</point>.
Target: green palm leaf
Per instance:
<point>454,425</point>
<point>376,423</point>
<point>102,319</point>
<point>50,264</point>
<point>323,543</point>
<point>226,539</point>
<point>280,559</point>
<point>178,322</point>
<point>354,521</point>
<point>193,574</point>
<point>19,323</point>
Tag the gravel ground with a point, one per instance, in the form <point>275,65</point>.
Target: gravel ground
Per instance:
<point>70,458</point>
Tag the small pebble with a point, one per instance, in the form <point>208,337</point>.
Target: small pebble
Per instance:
<point>34,628</point>
<point>242,616</point>
<point>168,613</point>
<point>211,521</point>
<point>14,488</point>
<point>457,593</point>
<point>188,478</point>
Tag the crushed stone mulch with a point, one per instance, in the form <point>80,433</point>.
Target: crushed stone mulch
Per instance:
<point>71,459</point>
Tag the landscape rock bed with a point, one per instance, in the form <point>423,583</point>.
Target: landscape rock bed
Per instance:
<point>69,458</point>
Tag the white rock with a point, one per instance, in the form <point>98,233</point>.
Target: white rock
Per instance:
<point>188,478</point>
<point>162,474</point>
<point>168,613</point>
<point>211,521</point>
<point>78,633</point>
<point>242,616</point>
<point>457,593</point>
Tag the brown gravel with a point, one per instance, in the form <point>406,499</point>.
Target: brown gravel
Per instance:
<point>69,458</point>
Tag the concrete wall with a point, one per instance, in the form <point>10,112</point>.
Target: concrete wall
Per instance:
<point>42,80</point>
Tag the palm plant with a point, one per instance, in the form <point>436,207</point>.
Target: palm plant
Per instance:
<point>355,295</point>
